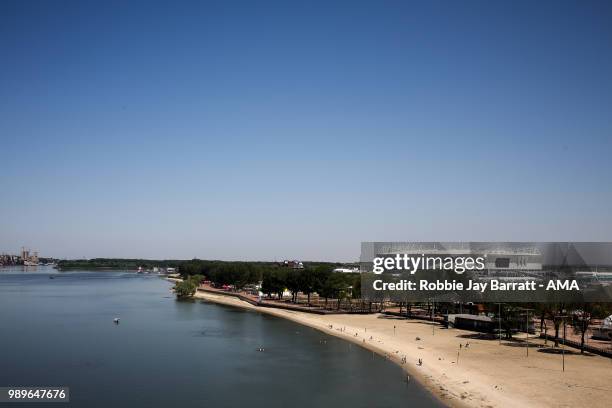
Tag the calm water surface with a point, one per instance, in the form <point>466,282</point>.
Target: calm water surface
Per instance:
<point>60,332</point>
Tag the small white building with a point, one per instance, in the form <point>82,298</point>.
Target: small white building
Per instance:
<point>347,270</point>
<point>604,332</point>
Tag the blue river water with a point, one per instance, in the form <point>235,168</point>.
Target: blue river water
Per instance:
<point>57,330</point>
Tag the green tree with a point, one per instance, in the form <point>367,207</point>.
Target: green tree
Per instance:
<point>196,279</point>
<point>294,283</point>
<point>185,289</point>
<point>555,310</point>
<point>327,290</point>
<point>308,282</point>
<point>338,286</point>
<point>581,324</point>
<point>273,282</point>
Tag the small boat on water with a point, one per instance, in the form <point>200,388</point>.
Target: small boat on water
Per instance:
<point>116,320</point>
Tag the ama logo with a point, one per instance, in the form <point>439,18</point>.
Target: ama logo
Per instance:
<point>562,285</point>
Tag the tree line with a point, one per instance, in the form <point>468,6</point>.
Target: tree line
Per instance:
<point>115,263</point>
<point>275,279</point>
<point>320,279</point>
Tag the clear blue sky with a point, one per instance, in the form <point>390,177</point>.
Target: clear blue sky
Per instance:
<point>263,130</point>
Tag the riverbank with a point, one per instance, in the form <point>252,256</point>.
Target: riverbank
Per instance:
<point>487,374</point>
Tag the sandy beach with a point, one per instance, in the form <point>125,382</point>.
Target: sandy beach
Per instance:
<point>486,374</point>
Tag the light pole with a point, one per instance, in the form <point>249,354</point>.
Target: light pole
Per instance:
<point>433,308</point>
<point>563,352</point>
<point>499,319</point>
<point>563,348</point>
<point>527,331</point>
